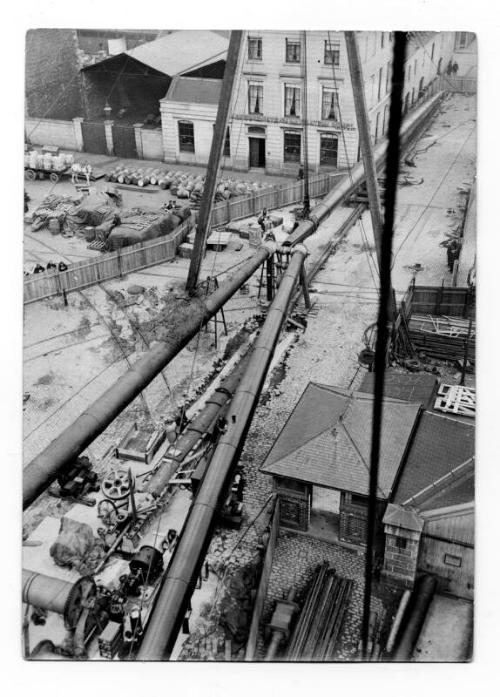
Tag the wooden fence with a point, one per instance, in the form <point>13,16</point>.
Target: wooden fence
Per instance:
<point>271,198</point>
<point>140,256</point>
<point>467,85</point>
<point>110,265</point>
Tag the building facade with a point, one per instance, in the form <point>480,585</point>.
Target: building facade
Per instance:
<point>293,98</point>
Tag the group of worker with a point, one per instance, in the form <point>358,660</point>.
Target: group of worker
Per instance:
<point>39,268</point>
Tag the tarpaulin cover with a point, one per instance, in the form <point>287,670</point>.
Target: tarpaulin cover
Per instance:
<point>73,544</point>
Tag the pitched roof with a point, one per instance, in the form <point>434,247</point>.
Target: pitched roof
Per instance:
<point>197,90</point>
<point>441,444</point>
<point>411,387</point>
<point>327,440</point>
<point>400,517</point>
<point>181,51</point>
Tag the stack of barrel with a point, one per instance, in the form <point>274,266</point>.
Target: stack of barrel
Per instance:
<point>320,622</point>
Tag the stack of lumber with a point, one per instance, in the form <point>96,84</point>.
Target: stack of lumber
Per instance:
<point>320,621</point>
<point>442,337</point>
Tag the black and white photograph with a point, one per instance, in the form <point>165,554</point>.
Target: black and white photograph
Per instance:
<point>249,344</point>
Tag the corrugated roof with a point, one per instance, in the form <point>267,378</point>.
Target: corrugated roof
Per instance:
<point>440,445</point>
<point>182,51</point>
<point>327,440</point>
<point>197,90</point>
<point>411,387</point>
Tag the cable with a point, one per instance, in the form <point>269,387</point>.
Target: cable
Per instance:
<point>349,170</point>
<point>392,168</point>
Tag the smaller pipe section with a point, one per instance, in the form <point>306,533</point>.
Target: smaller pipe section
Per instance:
<point>423,598</point>
<point>198,428</point>
<point>397,620</point>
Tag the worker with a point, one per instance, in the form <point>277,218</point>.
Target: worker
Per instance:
<point>261,220</point>
<point>449,68</point>
<point>62,266</point>
<point>39,269</point>
<point>455,68</point>
<point>87,171</point>
<point>300,175</point>
<point>51,265</point>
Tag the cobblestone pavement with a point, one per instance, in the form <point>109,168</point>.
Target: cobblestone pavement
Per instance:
<point>295,559</point>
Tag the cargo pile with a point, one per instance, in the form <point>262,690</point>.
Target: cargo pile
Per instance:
<point>47,161</point>
<point>182,185</point>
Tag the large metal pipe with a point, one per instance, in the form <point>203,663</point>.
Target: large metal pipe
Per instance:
<point>55,595</point>
<point>44,468</point>
<point>213,408</point>
<point>45,592</point>
<point>178,584</point>
<point>346,185</point>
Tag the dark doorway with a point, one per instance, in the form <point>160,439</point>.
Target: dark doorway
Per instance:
<point>257,152</point>
<point>124,141</point>
<point>94,138</point>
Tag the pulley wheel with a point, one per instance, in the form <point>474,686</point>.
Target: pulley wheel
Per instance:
<point>116,485</point>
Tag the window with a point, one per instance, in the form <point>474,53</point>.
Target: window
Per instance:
<point>409,73</point>
<point>328,149</point>
<point>453,560</point>
<point>388,78</point>
<point>329,104</point>
<point>254,48</point>
<point>292,100</point>
<point>461,39</point>
<point>186,136</point>
<point>415,67</point>
<point>227,144</point>
<point>332,52</point>
<point>292,51</point>
<point>359,500</point>
<point>372,88</point>
<point>255,98</point>
<point>432,52</point>
<point>382,39</point>
<point>379,91</point>
<point>400,542</point>
<point>291,146</point>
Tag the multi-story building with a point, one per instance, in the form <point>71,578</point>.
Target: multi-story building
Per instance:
<point>293,99</point>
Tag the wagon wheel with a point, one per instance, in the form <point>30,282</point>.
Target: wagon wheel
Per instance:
<point>54,177</point>
<point>30,175</point>
<point>116,485</point>
<point>107,512</point>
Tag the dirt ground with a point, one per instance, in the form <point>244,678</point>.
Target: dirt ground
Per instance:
<point>72,354</point>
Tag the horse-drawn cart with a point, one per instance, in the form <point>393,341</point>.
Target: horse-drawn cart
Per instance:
<point>32,173</point>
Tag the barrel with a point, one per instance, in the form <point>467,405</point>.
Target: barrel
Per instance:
<point>89,233</point>
<point>54,226</point>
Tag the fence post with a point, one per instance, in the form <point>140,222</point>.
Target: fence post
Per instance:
<point>119,259</point>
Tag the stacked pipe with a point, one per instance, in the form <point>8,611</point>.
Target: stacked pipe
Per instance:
<point>318,628</point>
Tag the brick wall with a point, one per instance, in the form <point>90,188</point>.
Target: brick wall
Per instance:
<point>51,132</point>
<point>53,82</point>
<point>401,554</point>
